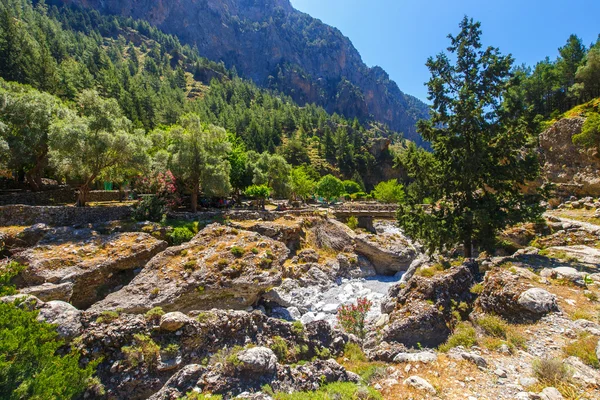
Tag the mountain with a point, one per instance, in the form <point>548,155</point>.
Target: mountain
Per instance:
<point>281,48</point>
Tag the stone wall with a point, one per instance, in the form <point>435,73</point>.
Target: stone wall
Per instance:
<point>60,215</point>
<point>105,195</point>
<point>62,195</point>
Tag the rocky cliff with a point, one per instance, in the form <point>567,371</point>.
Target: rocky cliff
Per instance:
<point>279,47</point>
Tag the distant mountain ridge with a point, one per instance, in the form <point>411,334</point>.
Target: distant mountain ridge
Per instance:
<point>281,48</point>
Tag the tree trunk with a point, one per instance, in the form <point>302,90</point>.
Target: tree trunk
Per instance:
<point>195,191</point>
<point>468,248</point>
<point>31,181</point>
<point>82,196</point>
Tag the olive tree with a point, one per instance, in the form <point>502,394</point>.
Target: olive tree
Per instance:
<point>199,157</point>
<point>96,142</point>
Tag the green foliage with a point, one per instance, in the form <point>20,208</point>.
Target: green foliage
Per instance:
<point>479,131</point>
<point>301,184</point>
<point>590,133</point>
<point>237,251</point>
<point>336,390</point>
<point>584,348</point>
<point>8,272</point>
<point>476,288</point>
<point>201,396</point>
<point>330,187</point>
<point>149,208</point>
<point>181,235</point>
<point>352,187</point>
<point>389,192</point>
<point>353,352</point>
<point>144,350</point>
<point>154,314</point>
<point>551,371</point>
<point>107,317</point>
<point>493,325</point>
<point>258,192</point>
<point>271,170</point>
<point>352,222</point>
<point>280,348</point>
<point>464,335</point>
<point>352,317</point>
<point>30,365</point>
<point>298,329</point>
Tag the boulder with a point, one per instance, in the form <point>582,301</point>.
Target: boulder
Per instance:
<point>93,263</point>
<point>388,252</point>
<point>173,321</point>
<point>550,393</point>
<point>66,317</point>
<point>221,267</point>
<point>420,384</point>
<point>424,357</point>
<point>283,230</point>
<point>51,291</point>
<point>180,383</point>
<point>514,297</point>
<point>258,360</point>
<point>332,234</point>
<point>566,273</point>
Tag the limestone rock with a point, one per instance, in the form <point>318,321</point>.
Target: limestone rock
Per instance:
<point>259,360</point>
<point>419,383</point>
<point>424,357</point>
<point>180,383</point>
<point>92,262</point>
<point>550,393</point>
<point>66,317</point>
<point>537,301</point>
<point>221,267</point>
<point>51,291</point>
<point>173,321</point>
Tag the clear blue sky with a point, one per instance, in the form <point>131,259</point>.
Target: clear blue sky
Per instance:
<point>399,35</point>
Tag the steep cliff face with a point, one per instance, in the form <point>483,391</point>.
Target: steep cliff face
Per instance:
<point>279,47</point>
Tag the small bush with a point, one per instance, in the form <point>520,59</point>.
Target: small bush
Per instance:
<point>493,326</point>
<point>145,350</point>
<point>516,340</point>
<point>181,235</point>
<point>476,288</point>
<point>254,250</point>
<point>335,390</point>
<point>464,335</point>
<point>298,329</point>
<point>222,263</point>
<point>171,350</point>
<point>155,292</point>
<point>237,251</point>
<point>201,396</point>
<point>352,222</point>
<point>551,371</point>
<point>149,208</point>
<point>154,314</point>
<point>352,317</point>
<point>280,348</point>
<point>107,317</point>
<point>353,352</point>
<point>584,348</point>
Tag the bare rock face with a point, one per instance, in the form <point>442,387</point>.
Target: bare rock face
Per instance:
<point>514,297</point>
<point>93,263</point>
<point>222,267</point>
<point>575,170</point>
<point>286,230</point>
<point>421,309</point>
<point>389,253</point>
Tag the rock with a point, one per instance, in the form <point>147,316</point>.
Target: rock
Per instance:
<point>180,383</point>
<point>420,310</point>
<point>583,374</point>
<point>582,253</point>
<point>420,384</point>
<point>425,357</point>
<point>588,326</point>
<point>522,396</point>
<point>566,273</point>
<point>25,301</point>
<point>514,297</point>
<point>458,353</point>
<point>173,321</point>
<point>91,262</point>
<point>333,234</point>
<point>598,350</point>
<point>204,273</point>
<point>50,291</point>
<point>66,317</point>
<point>527,381</point>
<point>538,301</point>
<point>550,393</point>
<point>574,170</point>
<point>259,360</point>
<point>388,252</point>
<point>282,230</point>
<point>500,373</point>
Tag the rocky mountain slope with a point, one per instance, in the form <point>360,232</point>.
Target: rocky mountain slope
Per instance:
<point>280,48</point>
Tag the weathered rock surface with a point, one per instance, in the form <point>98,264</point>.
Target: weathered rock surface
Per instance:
<point>419,383</point>
<point>287,230</point>
<point>575,170</point>
<point>92,262</point>
<point>51,291</point>
<point>221,267</point>
<point>259,360</point>
<point>388,252</point>
<point>420,309</point>
<point>66,317</point>
<point>514,297</point>
<point>173,321</point>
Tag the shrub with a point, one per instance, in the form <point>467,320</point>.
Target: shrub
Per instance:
<point>254,250</point>
<point>280,348</point>
<point>464,335</point>
<point>353,352</point>
<point>171,350</point>
<point>222,263</point>
<point>352,317</point>
<point>298,328</point>
<point>31,366</point>
<point>476,288</point>
<point>585,349</point>
<point>551,371</point>
<point>493,326</point>
<point>389,192</point>
<point>181,235</point>
<point>145,350</point>
<point>149,208</point>
<point>237,251</point>
<point>154,314</point>
<point>352,222</point>
<point>107,317</point>
<point>201,396</point>
<point>335,390</point>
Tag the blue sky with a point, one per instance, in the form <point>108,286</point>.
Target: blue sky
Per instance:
<point>399,35</point>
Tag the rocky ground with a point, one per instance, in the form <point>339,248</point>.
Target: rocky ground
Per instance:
<point>248,308</point>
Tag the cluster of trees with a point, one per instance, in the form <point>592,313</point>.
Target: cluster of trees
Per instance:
<point>73,56</point>
<point>553,87</point>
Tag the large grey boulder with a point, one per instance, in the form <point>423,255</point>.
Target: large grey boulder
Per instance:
<point>66,317</point>
<point>51,291</point>
<point>172,321</point>
<point>259,360</point>
<point>420,384</point>
<point>538,301</point>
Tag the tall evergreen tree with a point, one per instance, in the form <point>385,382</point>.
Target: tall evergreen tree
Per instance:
<point>478,132</point>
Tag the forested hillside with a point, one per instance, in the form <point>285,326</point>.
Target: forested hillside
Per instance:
<point>147,77</point>
<point>281,48</point>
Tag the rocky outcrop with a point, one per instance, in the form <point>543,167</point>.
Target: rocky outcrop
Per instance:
<point>286,229</point>
<point>83,262</point>
<point>220,267</point>
<point>279,47</point>
<point>514,297</point>
<point>235,349</point>
<point>420,310</point>
<point>575,170</point>
<point>388,252</point>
